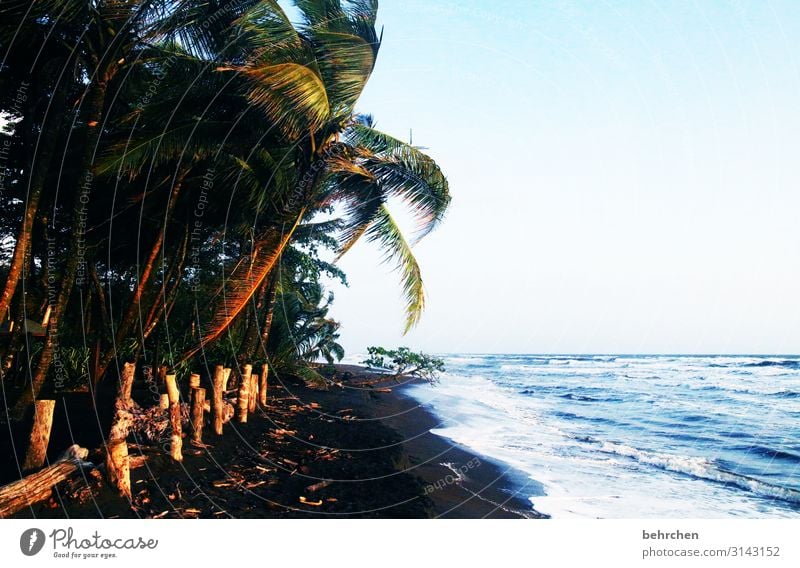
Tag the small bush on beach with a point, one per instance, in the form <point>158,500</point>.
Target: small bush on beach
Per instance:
<point>403,362</point>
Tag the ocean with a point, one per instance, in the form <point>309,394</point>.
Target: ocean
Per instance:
<point>632,436</point>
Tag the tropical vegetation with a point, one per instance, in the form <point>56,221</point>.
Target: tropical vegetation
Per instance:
<point>172,172</point>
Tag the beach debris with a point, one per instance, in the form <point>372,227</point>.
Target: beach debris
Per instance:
<point>317,486</point>
<point>305,501</point>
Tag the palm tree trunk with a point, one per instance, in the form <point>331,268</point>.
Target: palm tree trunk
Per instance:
<point>269,312</point>
<point>174,276</point>
<point>134,307</point>
<point>23,243</point>
<point>248,345</point>
<point>40,166</point>
<point>245,285</point>
<point>97,96</point>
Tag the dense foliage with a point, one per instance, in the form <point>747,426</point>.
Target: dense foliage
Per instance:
<point>174,170</point>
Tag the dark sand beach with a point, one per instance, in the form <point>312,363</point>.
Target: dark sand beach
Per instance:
<point>350,451</point>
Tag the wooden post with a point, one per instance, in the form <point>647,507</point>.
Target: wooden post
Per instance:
<point>163,402</point>
<point>40,434</point>
<point>243,404</point>
<point>198,402</point>
<point>253,392</point>
<point>262,386</point>
<point>176,441</point>
<point>118,467</point>
<point>218,387</point>
<point>194,381</point>
<point>226,374</point>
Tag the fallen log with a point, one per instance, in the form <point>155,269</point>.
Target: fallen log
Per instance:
<point>39,486</point>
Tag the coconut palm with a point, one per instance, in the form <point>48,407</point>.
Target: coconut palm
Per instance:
<point>103,37</point>
<point>265,104</point>
<point>311,87</point>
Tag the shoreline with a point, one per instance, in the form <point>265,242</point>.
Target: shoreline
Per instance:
<point>347,452</point>
<point>462,482</point>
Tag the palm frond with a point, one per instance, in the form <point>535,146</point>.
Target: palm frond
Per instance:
<point>403,171</point>
<point>291,94</point>
<point>388,235</point>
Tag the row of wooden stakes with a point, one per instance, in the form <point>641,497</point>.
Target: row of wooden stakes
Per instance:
<point>251,392</point>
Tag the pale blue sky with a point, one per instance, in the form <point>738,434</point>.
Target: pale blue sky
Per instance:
<point>624,176</point>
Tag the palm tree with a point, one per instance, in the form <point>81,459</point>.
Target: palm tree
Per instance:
<point>105,36</point>
<point>311,87</point>
<point>265,104</point>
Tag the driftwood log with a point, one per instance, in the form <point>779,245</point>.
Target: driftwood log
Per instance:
<point>40,434</point>
<point>39,486</point>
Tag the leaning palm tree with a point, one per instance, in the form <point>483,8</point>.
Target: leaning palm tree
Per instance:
<point>103,37</point>
<point>310,89</point>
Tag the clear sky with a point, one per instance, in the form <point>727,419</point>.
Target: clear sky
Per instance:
<point>624,176</point>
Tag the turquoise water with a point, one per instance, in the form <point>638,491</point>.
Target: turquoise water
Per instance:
<point>633,436</point>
